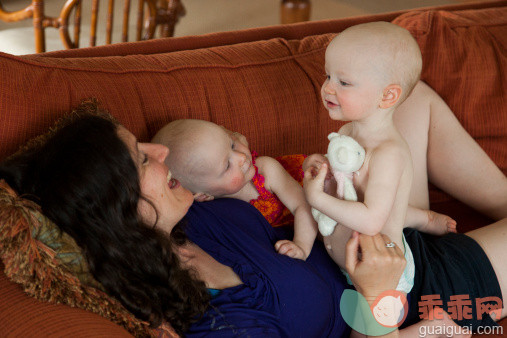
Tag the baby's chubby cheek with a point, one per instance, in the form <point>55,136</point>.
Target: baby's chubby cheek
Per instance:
<point>237,183</point>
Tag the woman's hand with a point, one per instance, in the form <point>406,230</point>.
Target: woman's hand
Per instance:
<point>373,267</point>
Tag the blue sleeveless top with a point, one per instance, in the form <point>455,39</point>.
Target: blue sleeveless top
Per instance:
<point>280,296</point>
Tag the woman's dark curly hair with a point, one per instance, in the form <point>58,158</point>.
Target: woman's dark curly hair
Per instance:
<point>83,177</point>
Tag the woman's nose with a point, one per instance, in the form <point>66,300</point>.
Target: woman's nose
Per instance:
<point>162,152</point>
<point>158,152</point>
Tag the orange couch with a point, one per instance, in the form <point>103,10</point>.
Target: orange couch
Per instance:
<point>262,82</point>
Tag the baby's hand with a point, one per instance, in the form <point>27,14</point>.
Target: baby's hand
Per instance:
<point>238,137</point>
<point>438,224</point>
<point>314,186</point>
<point>315,161</point>
<point>289,248</point>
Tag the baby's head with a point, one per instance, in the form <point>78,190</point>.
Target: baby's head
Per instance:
<point>371,65</point>
<point>206,158</point>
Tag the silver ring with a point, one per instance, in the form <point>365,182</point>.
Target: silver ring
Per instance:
<point>390,245</point>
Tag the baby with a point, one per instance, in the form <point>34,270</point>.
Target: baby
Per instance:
<point>371,69</point>
<point>213,162</point>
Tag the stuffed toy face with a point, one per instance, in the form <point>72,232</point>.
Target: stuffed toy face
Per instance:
<point>344,153</point>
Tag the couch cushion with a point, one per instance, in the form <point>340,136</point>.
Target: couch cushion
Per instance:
<point>24,316</point>
<point>465,62</point>
<point>267,90</point>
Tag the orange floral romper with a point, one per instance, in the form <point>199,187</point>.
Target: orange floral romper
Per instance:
<point>267,202</point>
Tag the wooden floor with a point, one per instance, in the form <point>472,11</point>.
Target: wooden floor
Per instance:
<point>207,16</point>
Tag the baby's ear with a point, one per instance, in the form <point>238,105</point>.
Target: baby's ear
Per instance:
<point>391,96</point>
<point>203,197</point>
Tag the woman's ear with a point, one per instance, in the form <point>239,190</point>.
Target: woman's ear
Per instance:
<point>203,197</point>
<point>390,96</point>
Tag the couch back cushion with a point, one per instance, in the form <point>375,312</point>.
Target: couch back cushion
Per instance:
<point>465,61</point>
<point>268,90</point>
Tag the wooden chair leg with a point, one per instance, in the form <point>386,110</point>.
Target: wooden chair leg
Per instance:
<point>292,11</point>
<point>38,18</point>
<point>173,9</point>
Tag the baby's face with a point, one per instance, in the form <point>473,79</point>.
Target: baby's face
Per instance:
<point>351,90</point>
<point>225,164</point>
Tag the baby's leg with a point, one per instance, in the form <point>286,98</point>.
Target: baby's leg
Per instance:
<point>493,240</point>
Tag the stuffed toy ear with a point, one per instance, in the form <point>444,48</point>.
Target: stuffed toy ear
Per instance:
<point>203,197</point>
<point>332,135</point>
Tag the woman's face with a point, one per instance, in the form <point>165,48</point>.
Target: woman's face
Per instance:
<point>170,199</point>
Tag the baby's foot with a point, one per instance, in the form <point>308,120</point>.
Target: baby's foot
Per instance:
<point>438,224</point>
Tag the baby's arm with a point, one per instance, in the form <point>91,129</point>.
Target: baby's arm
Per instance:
<point>385,169</point>
<point>292,196</point>
<point>429,221</point>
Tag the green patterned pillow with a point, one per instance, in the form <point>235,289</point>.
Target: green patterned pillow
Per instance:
<point>67,253</point>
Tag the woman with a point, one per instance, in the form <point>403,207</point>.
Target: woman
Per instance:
<point>115,196</point>
<point>120,197</point>
<point>84,178</point>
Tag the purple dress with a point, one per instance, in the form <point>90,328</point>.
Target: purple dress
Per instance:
<point>280,296</point>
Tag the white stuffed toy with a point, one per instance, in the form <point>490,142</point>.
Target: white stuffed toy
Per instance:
<point>345,156</point>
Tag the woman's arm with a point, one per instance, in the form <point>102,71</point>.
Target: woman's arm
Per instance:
<point>377,269</point>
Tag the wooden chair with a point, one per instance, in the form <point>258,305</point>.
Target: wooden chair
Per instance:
<point>150,14</point>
